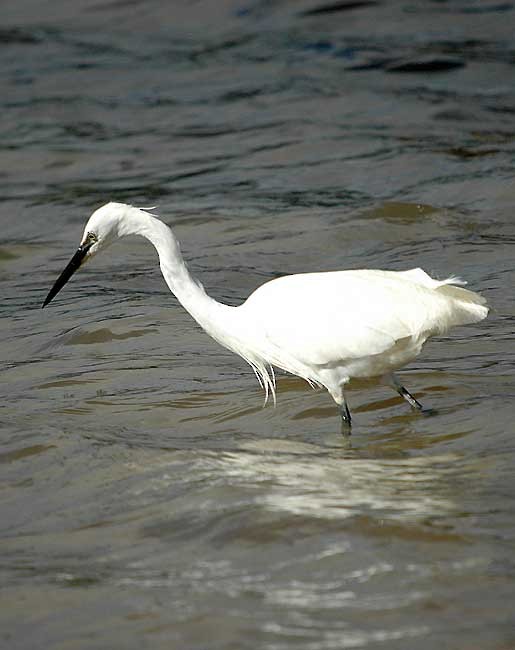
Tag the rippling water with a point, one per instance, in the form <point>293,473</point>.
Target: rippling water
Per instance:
<point>148,500</point>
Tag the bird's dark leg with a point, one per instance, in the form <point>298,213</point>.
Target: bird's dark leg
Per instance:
<point>404,392</point>
<point>346,418</point>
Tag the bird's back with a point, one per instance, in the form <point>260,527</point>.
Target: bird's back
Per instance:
<point>324,320</point>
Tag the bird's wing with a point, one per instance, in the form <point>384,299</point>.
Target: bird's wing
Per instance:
<point>326,318</point>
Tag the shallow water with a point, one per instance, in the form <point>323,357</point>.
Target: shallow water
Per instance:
<point>148,500</point>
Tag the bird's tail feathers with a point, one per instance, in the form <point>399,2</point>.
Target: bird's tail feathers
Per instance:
<point>471,306</point>
<point>453,279</point>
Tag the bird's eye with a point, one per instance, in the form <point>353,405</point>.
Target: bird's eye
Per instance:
<point>91,238</point>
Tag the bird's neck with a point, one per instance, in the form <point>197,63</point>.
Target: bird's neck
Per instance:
<point>209,313</point>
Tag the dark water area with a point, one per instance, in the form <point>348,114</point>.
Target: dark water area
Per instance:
<point>147,499</point>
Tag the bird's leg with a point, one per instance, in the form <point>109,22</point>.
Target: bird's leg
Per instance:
<point>336,387</point>
<point>346,418</point>
<point>403,392</point>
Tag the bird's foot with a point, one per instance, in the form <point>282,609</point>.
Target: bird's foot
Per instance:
<point>346,429</point>
<point>346,419</point>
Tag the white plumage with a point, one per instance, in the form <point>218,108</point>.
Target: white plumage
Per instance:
<point>325,327</point>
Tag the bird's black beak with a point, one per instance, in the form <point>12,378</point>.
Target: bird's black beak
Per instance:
<point>72,266</point>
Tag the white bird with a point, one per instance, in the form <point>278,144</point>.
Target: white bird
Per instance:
<point>324,327</point>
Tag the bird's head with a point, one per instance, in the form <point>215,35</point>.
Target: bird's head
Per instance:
<point>102,228</point>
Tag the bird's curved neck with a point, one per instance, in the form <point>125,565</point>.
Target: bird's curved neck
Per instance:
<point>190,293</point>
<point>228,325</point>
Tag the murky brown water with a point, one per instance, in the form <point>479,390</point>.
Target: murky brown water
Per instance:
<point>147,499</point>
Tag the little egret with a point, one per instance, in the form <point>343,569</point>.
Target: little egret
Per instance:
<point>324,327</point>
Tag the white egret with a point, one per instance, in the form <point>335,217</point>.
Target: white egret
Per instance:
<point>324,327</point>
